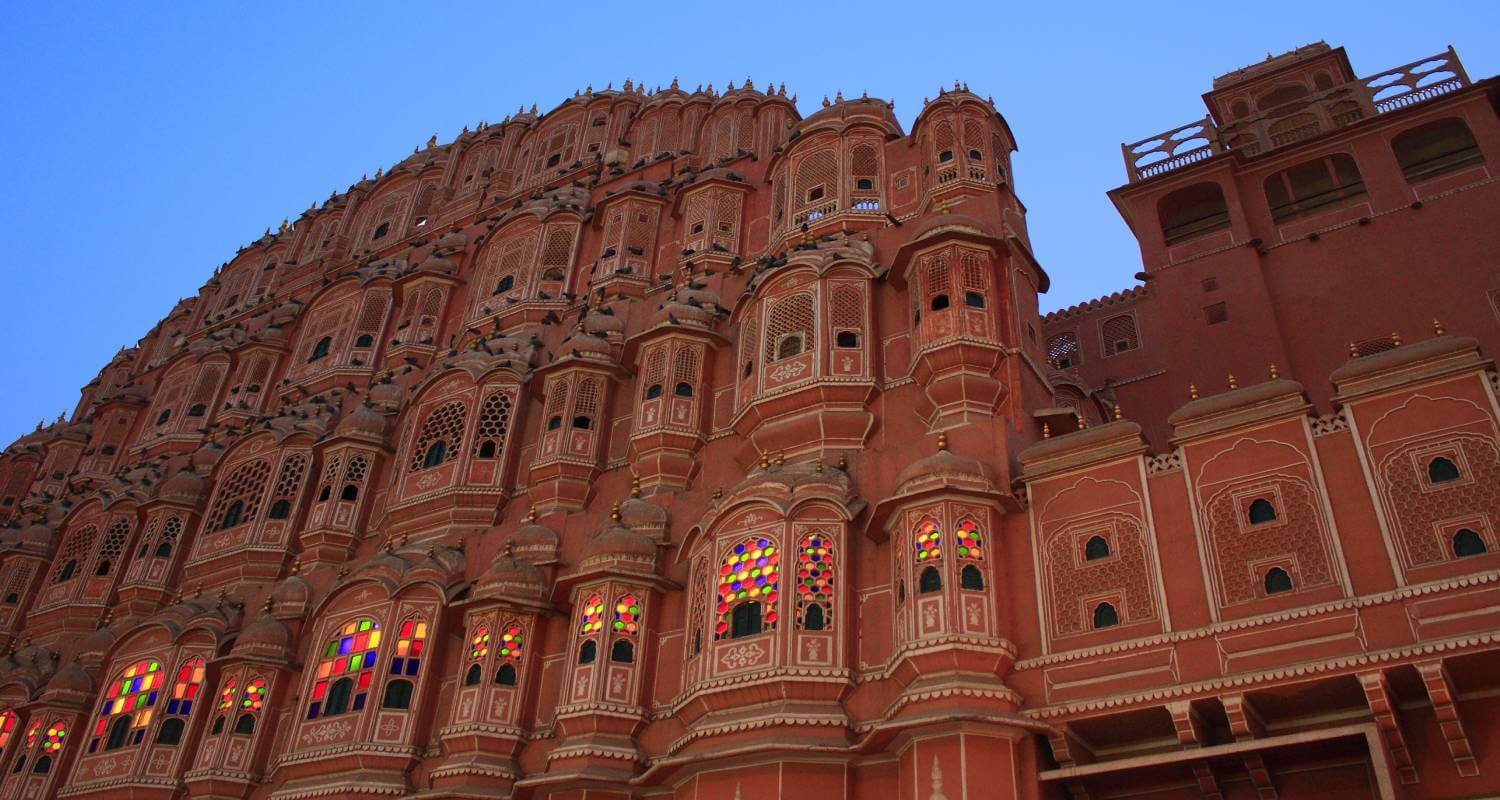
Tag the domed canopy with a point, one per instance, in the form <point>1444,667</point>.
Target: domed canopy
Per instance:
<point>510,576</point>
<point>945,469</point>
<point>265,636</point>
<point>186,488</point>
<point>363,421</point>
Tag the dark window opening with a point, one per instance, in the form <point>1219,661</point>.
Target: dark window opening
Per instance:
<point>930,581</point>
<point>846,339</point>
<point>245,725</point>
<point>745,620</point>
<point>436,454</point>
<point>1193,211</point>
<point>1313,185</point>
<point>66,573</point>
<point>473,676</point>
<point>1216,313</point>
<point>1435,148</point>
<point>163,550</point>
<point>506,284</point>
<point>1105,616</point>
<point>554,423</point>
<point>748,366</point>
<point>945,156</point>
<point>622,652</point>
<point>506,675</point>
<point>1261,510</point>
<point>815,193</point>
<point>43,765</point>
<point>118,730</point>
<point>320,350</point>
<point>1441,470</point>
<point>281,509</point>
<point>20,764</point>
<point>12,598</point>
<point>582,422</point>
<point>812,619</point>
<point>973,299</point>
<point>381,230</point>
<point>864,185</point>
<point>161,419</point>
<point>233,515</point>
<point>588,652</point>
<point>397,695</point>
<point>171,731</point>
<point>653,391</point>
<point>102,568</point>
<point>683,389</point>
<point>351,492</point>
<point>218,725</point>
<point>326,492</point>
<point>487,449</point>
<point>1095,549</point>
<point>971,578</point>
<point>1468,543</point>
<point>338,697</point>
<point>975,155</point>
<point>554,159</point>
<point>789,346</point>
<point>1277,580</point>
<point>364,340</point>
<point>939,302</point>
<point>197,410</point>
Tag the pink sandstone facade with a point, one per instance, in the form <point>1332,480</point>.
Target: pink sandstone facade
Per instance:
<point>672,445</point>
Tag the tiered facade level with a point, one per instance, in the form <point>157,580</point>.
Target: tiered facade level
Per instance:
<point>672,445</point>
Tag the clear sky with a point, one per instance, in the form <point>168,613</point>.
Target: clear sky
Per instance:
<point>144,142</point>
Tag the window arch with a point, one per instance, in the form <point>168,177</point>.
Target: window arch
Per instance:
<point>929,542</point>
<point>494,423</point>
<point>8,722</point>
<point>588,652</point>
<point>1277,581</point>
<point>627,615</point>
<point>411,638</point>
<point>931,580</point>
<point>474,675</point>
<point>747,619</point>
<point>443,426</point>
<point>1437,147</point>
<point>128,705</point>
<point>1062,351</point>
<point>1468,543</point>
<point>240,496</point>
<point>815,576</point>
<point>397,694</point>
<point>971,579</point>
<point>592,618</point>
<point>622,651</point>
<point>1105,616</point>
<point>1441,470</point>
<point>970,541</point>
<point>185,687</point>
<point>320,350</point>
<point>1096,548</point>
<point>1261,511</point>
<point>1313,185</point>
<point>1192,211</point>
<point>80,544</point>
<point>506,675</point>
<point>345,670</point>
<point>1119,335</point>
<point>479,643</point>
<point>789,327</point>
<point>749,573</point>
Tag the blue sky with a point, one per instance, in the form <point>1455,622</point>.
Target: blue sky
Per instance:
<point>145,142</point>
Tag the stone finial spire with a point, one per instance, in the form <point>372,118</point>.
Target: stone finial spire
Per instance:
<point>1193,391</point>
<point>1046,431</point>
<point>942,440</point>
<point>614,513</point>
<point>1275,374</point>
<point>1233,382</point>
<point>1395,338</point>
<point>1119,414</point>
<point>1437,327</point>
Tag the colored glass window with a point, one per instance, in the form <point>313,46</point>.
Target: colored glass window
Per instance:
<point>749,571</point>
<point>929,541</point>
<point>133,694</point>
<point>226,697</point>
<point>410,640</point>
<point>627,615</point>
<point>53,741</point>
<point>185,688</point>
<point>254,698</point>
<point>814,581</point>
<point>592,620</point>
<point>351,654</point>
<point>511,643</point>
<point>7,727</point>
<point>479,643</point>
<point>970,541</point>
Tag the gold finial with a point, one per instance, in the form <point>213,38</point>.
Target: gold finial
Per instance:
<point>635,486</point>
<point>390,544</point>
<point>531,513</point>
<point>1193,391</point>
<point>943,206</point>
<point>197,590</point>
<point>718,492</point>
<point>1353,350</point>
<point>1274,373</point>
<point>942,440</point>
<point>780,457</point>
<point>459,545</point>
<point>507,549</point>
<point>268,605</point>
<point>343,572</point>
<point>1395,338</point>
<point>614,513</point>
<point>1119,415</point>
<point>1437,327</point>
<point>297,565</point>
<point>1233,382</point>
<point>1083,421</point>
<point>430,551</point>
<point>109,616</point>
<point>818,465</point>
<point>843,461</point>
<point>765,461</point>
<point>1046,431</point>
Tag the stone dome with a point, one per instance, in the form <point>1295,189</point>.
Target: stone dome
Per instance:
<point>945,468</point>
<point>205,457</point>
<point>363,421</point>
<point>73,679</point>
<point>618,541</point>
<point>186,487</point>
<point>534,542</point>
<point>265,634</point>
<point>512,576</point>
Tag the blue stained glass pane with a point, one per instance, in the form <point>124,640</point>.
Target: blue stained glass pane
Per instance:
<point>187,707</point>
<point>312,710</point>
<point>172,706</point>
<point>396,666</point>
<point>739,548</point>
<point>346,645</point>
<point>135,684</point>
<point>369,659</point>
<point>359,702</point>
<point>138,735</point>
<point>411,665</point>
<point>151,699</point>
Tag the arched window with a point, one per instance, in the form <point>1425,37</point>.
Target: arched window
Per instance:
<point>1468,543</point>
<point>1441,470</point>
<point>582,422</point>
<point>1261,511</point>
<point>554,423</point>
<point>444,425</point>
<point>1062,351</point>
<point>7,728</point>
<point>128,705</point>
<point>1277,580</point>
<point>815,573</point>
<point>281,509</point>
<point>170,732</point>
<point>436,454</point>
<point>846,339</point>
<point>627,615</point>
<point>1313,185</point>
<point>974,299</point>
<point>365,340</point>
<point>749,573</point>
<point>197,410</point>
<point>931,580</point>
<point>218,726</point>
<point>1096,548</point>
<point>232,515</point>
<point>350,493</point>
<point>1119,335</point>
<point>245,725</point>
<point>971,578</point>
<point>185,687</point>
<point>410,640</point>
<point>506,283</point>
<point>320,350</point>
<point>929,542</point>
<point>345,670</point>
<point>512,642</point>
<point>479,643</point>
<point>1435,148</point>
<point>506,675</point>
<point>1192,211</point>
<point>683,389</point>
<point>653,392</point>
<point>788,346</point>
<point>622,652</point>
<point>970,541</point>
<point>1105,616</point>
<point>66,573</point>
<point>588,652</point>
<point>474,675</point>
<point>397,694</point>
<point>381,230</point>
<point>939,302</point>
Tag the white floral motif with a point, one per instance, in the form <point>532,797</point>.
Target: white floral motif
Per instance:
<point>787,371</point>
<point>742,656</point>
<point>427,481</point>
<point>929,617</point>
<point>390,728</point>
<point>322,734</point>
<point>814,649</point>
<point>617,683</point>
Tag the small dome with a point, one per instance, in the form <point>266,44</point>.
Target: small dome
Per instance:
<point>643,515</point>
<point>186,487</point>
<point>951,221</point>
<point>291,596</point>
<point>534,542</point>
<point>264,634</point>
<point>72,679</point>
<point>586,345</point>
<point>387,394</point>
<point>618,541</point>
<point>37,534</point>
<point>512,576</point>
<point>945,468</point>
<point>205,457</point>
<point>363,421</point>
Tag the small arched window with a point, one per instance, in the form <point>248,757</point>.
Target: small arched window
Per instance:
<point>506,284</point>
<point>971,578</point>
<point>930,581</point>
<point>66,573</point>
<point>622,652</point>
<point>397,695</point>
<point>653,392</point>
<point>1467,543</point>
<point>939,302</point>
<point>118,731</point>
<point>945,156</point>
<point>506,675</point>
<point>436,454</point>
<point>338,697</point>
<point>197,410</point>
<point>1435,148</point>
<point>102,568</point>
<point>218,726</point>
<point>381,230</point>
<point>974,299</point>
<point>43,765</point>
<point>161,419</point>
<point>748,367</point>
<point>351,492</point>
<point>12,598</point>
<point>1441,470</point>
<point>745,620</point>
<point>812,619</point>
<point>1105,616</point>
<point>588,652</point>
<point>171,731</point>
<point>975,155</point>
<point>789,346</point>
<point>487,449</point>
<point>554,423</point>
<point>683,389</point>
<point>245,725</point>
<point>281,509</point>
<point>320,349</point>
<point>1277,580</point>
<point>582,422</point>
<point>846,339</point>
<point>473,676</point>
<point>864,185</point>
<point>233,515</point>
<point>1096,548</point>
<point>1261,511</point>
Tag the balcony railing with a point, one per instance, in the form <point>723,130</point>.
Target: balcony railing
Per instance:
<point>1301,119</point>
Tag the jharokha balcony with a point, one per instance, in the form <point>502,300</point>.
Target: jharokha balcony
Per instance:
<point>1289,98</point>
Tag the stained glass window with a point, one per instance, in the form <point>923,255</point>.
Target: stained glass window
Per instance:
<point>226,697</point>
<point>929,541</point>
<point>56,733</point>
<point>627,615</point>
<point>7,727</point>
<point>592,620</point>
<point>132,695</point>
<point>479,643</point>
<point>31,733</point>
<point>814,582</point>
<point>511,642</point>
<point>970,541</point>
<point>350,654</point>
<point>185,687</point>
<point>409,644</point>
<point>749,572</point>
<point>254,698</point>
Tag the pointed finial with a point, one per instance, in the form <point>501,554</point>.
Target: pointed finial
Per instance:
<point>780,457</point>
<point>1083,421</point>
<point>1046,431</point>
<point>718,492</point>
<point>765,461</point>
<point>1275,374</point>
<point>1395,338</point>
<point>1437,327</point>
<point>432,141</point>
<point>942,440</point>
<point>635,486</point>
<point>838,97</point>
<point>1353,350</point>
<point>1233,383</point>
<point>1119,415</point>
<point>843,461</point>
<point>1193,391</point>
<point>674,82</point>
<point>614,513</point>
<point>818,465</point>
<point>268,605</point>
<point>296,566</point>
